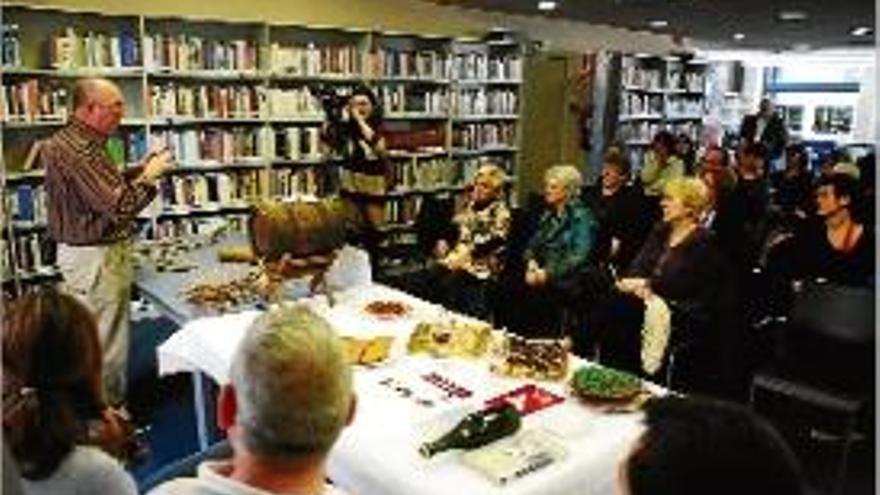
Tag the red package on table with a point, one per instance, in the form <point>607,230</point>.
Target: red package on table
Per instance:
<point>527,399</point>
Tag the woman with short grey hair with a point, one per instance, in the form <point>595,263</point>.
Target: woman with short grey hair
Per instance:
<point>554,254</point>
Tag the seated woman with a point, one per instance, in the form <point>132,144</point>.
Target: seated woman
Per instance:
<point>621,212</point>
<point>459,278</point>
<point>54,418</point>
<point>552,259</point>
<point>839,249</point>
<point>680,264</point>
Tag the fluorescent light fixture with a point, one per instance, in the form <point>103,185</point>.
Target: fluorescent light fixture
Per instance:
<point>658,23</point>
<point>739,36</point>
<point>547,5</point>
<point>792,15</point>
<point>861,31</point>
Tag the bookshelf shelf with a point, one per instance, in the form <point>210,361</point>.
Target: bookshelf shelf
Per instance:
<point>32,175</point>
<point>210,75</point>
<point>480,118</point>
<point>28,226</point>
<point>185,121</point>
<point>416,116</point>
<point>74,73</point>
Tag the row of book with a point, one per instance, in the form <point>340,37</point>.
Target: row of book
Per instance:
<point>427,174</point>
<point>71,50</point>
<point>30,252</point>
<point>183,52</point>
<point>426,64</point>
<point>295,102</point>
<point>484,135</point>
<point>208,190</point>
<point>684,106</point>
<point>10,51</point>
<point>312,60</point>
<point>644,131</point>
<point>641,131</point>
<point>403,210</point>
<point>469,166</point>
<point>169,228</point>
<point>33,100</point>
<point>294,143</point>
<point>479,101</point>
<point>633,74</point>
<point>27,203</point>
<point>127,147</point>
<point>403,98</point>
<point>204,101</point>
<point>690,80</point>
<point>309,181</point>
<point>211,145</point>
<point>641,104</point>
<point>479,66</point>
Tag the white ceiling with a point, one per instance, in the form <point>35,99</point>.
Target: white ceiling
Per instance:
<point>712,23</point>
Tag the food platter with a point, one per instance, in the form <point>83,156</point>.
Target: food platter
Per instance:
<point>539,359</point>
<point>450,338</point>
<point>387,309</point>
<point>368,352</point>
<point>600,384</point>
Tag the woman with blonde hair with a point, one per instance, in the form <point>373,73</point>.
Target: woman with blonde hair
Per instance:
<point>679,264</point>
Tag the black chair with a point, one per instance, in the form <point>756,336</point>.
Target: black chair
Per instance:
<point>823,357</point>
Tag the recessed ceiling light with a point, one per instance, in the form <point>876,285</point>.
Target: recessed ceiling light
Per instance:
<point>658,23</point>
<point>861,31</point>
<point>547,5</point>
<point>739,36</point>
<point>792,15</point>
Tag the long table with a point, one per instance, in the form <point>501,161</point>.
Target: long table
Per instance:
<point>377,454</point>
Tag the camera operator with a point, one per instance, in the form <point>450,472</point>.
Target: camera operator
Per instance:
<point>355,134</point>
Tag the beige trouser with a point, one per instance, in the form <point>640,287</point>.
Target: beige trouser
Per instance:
<point>101,277</point>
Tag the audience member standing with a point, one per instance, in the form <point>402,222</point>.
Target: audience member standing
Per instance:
<point>766,128</point>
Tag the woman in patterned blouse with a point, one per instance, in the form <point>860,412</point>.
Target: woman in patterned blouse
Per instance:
<point>463,269</point>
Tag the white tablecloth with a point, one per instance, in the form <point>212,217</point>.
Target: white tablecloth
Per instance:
<point>377,454</point>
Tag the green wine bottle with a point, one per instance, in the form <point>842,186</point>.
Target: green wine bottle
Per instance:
<point>476,429</point>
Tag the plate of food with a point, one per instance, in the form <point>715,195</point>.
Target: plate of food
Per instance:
<point>598,384</point>
<point>452,338</point>
<point>539,359</point>
<point>387,309</point>
<point>368,352</point>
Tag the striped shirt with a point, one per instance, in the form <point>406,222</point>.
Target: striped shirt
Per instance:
<point>89,201</point>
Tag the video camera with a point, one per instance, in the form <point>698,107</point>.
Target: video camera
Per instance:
<point>333,103</point>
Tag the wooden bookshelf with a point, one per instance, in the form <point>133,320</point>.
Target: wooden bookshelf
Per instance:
<point>188,81</point>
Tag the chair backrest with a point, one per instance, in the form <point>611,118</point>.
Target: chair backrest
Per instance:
<point>839,313</point>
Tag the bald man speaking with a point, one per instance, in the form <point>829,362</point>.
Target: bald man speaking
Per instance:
<point>91,207</point>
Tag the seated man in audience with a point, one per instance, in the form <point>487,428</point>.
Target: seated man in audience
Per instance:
<point>290,395</point>
<point>699,446</point>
